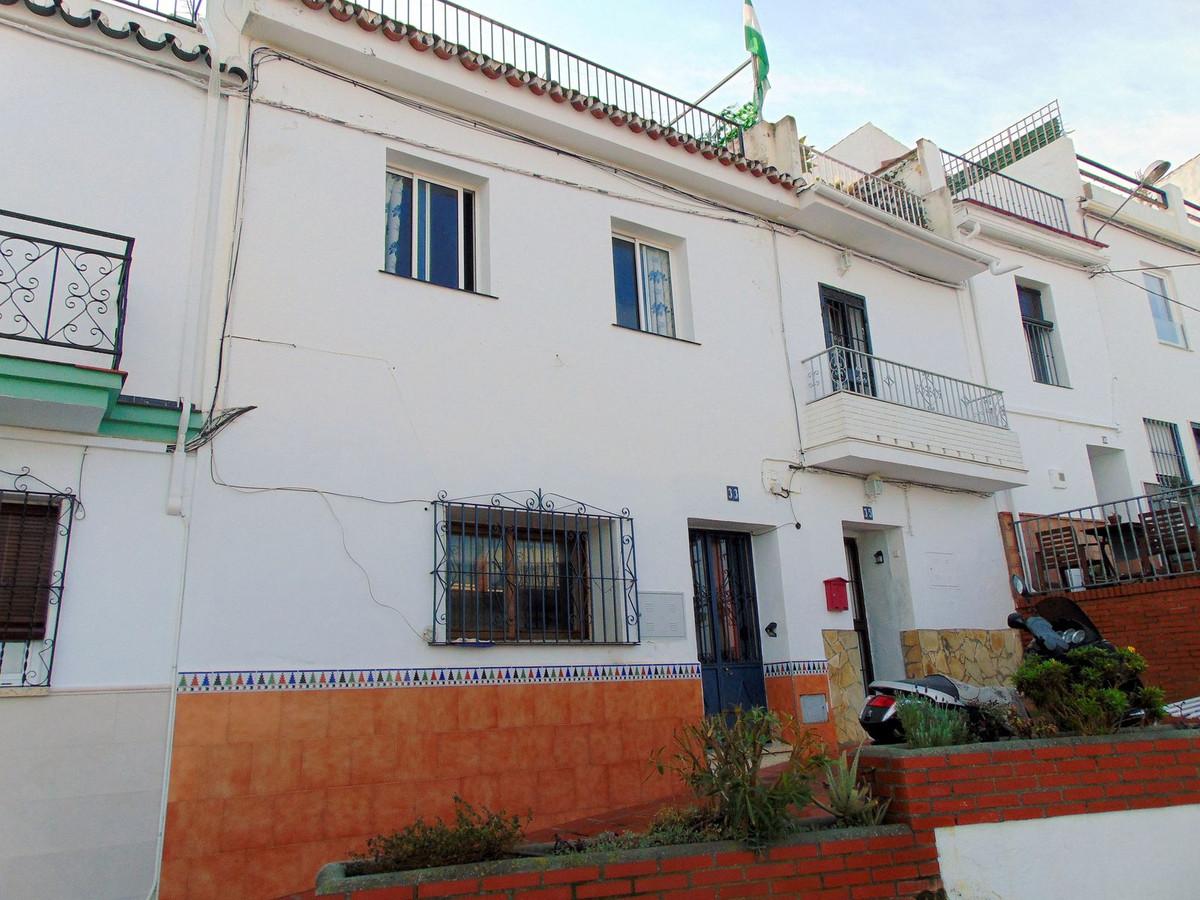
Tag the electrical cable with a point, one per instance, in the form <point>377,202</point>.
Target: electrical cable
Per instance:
<point>1142,287</point>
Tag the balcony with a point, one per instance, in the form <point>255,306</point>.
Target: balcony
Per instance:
<point>865,415</point>
<point>1142,538</point>
<point>62,314</point>
<point>971,181</point>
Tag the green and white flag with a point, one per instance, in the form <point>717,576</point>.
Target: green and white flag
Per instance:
<point>758,50</point>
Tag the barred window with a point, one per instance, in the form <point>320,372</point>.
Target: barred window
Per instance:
<point>1170,467</point>
<point>533,568</point>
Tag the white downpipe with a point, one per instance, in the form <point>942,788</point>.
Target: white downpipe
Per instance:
<point>200,265</point>
<point>191,362</point>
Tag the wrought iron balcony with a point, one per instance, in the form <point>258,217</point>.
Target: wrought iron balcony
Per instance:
<point>185,12</point>
<point>879,191</point>
<point>969,180</point>
<point>63,286</point>
<point>840,369</point>
<point>1141,538</point>
<point>531,56</point>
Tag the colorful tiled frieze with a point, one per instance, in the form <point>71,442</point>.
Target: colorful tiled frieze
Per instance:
<point>796,667</point>
<point>311,679</point>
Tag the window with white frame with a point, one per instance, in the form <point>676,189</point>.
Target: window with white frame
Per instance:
<point>644,293</point>
<point>1166,320</point>
<point>430,232</point>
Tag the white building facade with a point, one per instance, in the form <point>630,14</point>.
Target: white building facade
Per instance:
<point>536,413</point>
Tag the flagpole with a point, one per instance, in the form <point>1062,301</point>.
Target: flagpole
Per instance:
<point>716,87</point>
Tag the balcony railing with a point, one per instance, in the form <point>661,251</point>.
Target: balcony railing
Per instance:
<point>840,369</point>
<point>1098,173</point>
<point>1139,539</point>
<point>62,285</point>
<point>970,181</point>
<point>185,12</point>
<point>879,191</point>
<point>479,34</point>
<point>1038,129</point>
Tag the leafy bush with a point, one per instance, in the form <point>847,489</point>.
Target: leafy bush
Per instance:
<point>926,724</point>
<point>474,836</point>
<point>850,802</point>
<point>720,759</point>
<point>671,826</point>
<point>1091,691</point>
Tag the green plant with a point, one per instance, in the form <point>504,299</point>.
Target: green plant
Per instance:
<point>670,826</point>
<point>850,802</point>
<point>474,836</point>
<point>926,724</point>
<point>1091,690</point>
<point>720,759</point>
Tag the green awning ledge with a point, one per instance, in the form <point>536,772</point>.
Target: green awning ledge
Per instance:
<point>37,393</point>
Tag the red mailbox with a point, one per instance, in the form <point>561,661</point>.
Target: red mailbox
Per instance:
<point>836,597</point>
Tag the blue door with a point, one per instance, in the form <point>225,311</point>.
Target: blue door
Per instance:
<point>727,638</point>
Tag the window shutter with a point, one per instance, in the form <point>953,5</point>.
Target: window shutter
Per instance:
<point>28,531</point>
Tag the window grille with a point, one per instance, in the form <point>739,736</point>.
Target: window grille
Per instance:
<point>35,530</point>
<point>1170,467</point>
<point>1039,335</point>
<point>533,568</point>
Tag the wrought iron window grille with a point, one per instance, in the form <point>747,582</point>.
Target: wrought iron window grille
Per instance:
<point>35,536</point>
<point>1166,448</point>
<point>532,567</point>
<point>62,285</point>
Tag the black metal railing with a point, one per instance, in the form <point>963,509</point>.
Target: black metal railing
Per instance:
<point>63,285</point>
<point>841,369</point>
<point>533,568</point>
<point>971,181</point>
<point>1139,539</point>
<point>464,28</point>
<point>35,535</point>
<point>1039,336</point>
<point>185,12</point>
<point>1098,173</point>
<point>1192,210</point>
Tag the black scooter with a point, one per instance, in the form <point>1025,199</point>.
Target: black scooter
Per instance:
<point>1058,626</point>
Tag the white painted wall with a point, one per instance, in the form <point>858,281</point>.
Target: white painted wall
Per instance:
<point>1152,852</point>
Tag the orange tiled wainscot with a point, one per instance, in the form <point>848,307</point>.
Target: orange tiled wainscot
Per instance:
<point>270,779</point>
<point>787,682</point>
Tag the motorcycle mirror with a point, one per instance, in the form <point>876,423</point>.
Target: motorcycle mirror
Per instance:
<point>1019,586</point>
<point>1016,620</point>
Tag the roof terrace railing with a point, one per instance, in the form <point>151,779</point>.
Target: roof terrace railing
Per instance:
<point>1038,129</point>
<point>970,181</point>
<point>1098,173</point>
<point>879,191</point>
<point>185,12</point>
<point>480,34</point>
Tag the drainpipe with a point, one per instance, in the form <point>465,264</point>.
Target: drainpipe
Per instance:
<point>191,362</point>
<point>200,266</point>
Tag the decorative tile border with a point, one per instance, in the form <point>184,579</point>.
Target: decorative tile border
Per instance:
<point>796,667</point>
<point>315,679</point>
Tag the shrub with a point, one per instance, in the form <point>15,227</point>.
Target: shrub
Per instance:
<point>720,759</point>
<point>1091,691</point>
<point>850,802</point>
<point>927,724</point>
<point>670,826</point>
<point>474,836</point>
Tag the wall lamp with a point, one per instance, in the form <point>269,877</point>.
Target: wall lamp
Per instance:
<point>1153,174</point>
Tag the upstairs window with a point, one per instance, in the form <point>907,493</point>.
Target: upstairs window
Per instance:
<point>644,294</point>
<point>28,536</point>
<point>1170,467</point>
<point>1168,327</point>
<point>1039,335</point>
<point>430,231</point>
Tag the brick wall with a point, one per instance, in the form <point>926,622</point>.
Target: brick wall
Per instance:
<point>1160,619</point>
<point>1017,780</point>
<point>852,864</point>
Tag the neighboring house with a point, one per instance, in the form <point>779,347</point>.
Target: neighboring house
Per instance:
<point>542,412</point>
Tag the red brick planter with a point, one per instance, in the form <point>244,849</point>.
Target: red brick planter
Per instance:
<point>847,863</point>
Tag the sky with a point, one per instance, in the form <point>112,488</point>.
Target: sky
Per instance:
<point>1128,80</point>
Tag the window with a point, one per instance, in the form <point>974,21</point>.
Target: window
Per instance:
<point>848,336</point>
<point>28,536</point>
<point>430,231</point>
<point>1170,467</point>
<point>1169,330</point>
<point>533,569</point>
<point>642,274</point>
<point>1039,335</point>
